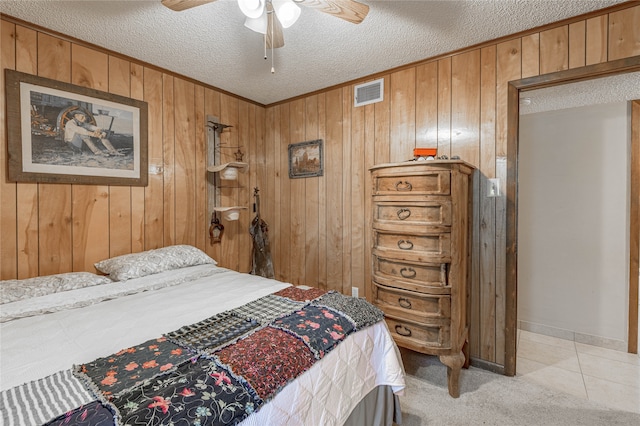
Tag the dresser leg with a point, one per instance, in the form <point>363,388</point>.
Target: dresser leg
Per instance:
<point>454,363</point>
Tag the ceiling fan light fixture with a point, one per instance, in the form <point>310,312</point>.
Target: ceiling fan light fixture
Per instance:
<point>287,12</point>
<point>252,8</point>
<point>258,24</point>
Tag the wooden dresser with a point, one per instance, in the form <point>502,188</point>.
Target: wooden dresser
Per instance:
<point>420,262</point>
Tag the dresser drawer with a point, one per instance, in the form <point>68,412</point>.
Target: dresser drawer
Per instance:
<point>416,275</point>
<point>405,214</point>
<point>434,247</point>
<point>413,182</point>
<point>421,337</point>
<point>406,304</point>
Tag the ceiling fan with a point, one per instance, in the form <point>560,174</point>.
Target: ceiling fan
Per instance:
<point>260,13</point>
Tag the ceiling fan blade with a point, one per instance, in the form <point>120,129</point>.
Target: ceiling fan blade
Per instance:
<point>349,10</point>
<point>274,35</point>
<point>179,5</point>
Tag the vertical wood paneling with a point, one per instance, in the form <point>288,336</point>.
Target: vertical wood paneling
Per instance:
<point>624,33</point>
<point>369,161</point>
<point>168,152</point>
<point>444,107</point>
<point>334,168</point>
<point>323,211</point>
<point>90,203</point>
<point>8,220</point>
<point>54,200</point>
<point>382,126</point>
<point>359,177</point>
<point>136,78</point>
<point>554,50</point>
<point>120,238</point>
<point>244,190</point>
<point>403,114</point>
<point>577,43</point>
<point>154,191</point>
<point>531,55</point>
<point>26,194</point>
<point>297,200</point>
<point>427,105</point>
<point>285,195</point>
<point>311,204</point>
<point>347,107</point>
<point>465,106</point>
<point>201,225</point>
<point>185,162</point>
<point>596,40</point>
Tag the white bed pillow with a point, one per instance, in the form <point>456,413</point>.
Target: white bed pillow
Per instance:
<point>136,265</point>
<point>14,290</point>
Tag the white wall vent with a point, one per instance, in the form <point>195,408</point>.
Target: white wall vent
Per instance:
<point>368,93</point>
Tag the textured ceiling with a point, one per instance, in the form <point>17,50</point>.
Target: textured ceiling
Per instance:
<point>210,44</point>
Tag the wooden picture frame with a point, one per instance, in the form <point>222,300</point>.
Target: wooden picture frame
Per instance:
<point>306,159</point>
<point>62,133</point>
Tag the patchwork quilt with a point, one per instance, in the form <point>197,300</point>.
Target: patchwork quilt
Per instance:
<point>214,372</point>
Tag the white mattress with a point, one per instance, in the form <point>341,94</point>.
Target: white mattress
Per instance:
<point>37,346</point>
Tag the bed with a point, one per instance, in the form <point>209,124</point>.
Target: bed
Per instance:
<point>169,337</point>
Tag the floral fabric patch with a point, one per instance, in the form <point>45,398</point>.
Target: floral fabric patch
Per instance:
<point>268,360</point>
<point>132,366</point>
<point>318,327</point>
<point>91,414</point>
<point>196,393</point>
<point>214,332</point>
<point>299,294</point>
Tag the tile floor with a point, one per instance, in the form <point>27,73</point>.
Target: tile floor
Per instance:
<point>605,376</point>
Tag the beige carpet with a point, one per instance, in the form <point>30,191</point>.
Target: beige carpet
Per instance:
<point>492,399</point>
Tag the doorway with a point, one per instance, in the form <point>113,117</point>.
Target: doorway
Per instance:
<point>515,87</point>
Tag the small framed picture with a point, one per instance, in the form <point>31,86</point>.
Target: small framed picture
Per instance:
<point>306,159</point>
<point>63,133</point>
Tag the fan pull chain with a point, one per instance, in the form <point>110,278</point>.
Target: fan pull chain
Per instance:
<point>273,70</point>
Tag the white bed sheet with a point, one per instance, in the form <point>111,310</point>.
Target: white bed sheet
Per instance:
<point>37,346</point>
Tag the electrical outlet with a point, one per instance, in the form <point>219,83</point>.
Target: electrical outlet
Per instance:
<point>354,291</point>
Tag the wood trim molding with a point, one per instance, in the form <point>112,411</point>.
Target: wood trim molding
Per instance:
<point>634,228</point>
<point>620,66</point>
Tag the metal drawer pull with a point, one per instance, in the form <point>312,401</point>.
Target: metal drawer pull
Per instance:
<point>404,186</point>
<point>404,302</point>
<point>408,272</point>
<point>405,245</point>
<point>403,331</point>
<point>403,214</point>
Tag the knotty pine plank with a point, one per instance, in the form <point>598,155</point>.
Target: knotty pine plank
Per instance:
<point>90,203</point>
<point>311,205</point>
<point>403,114</point>
<point>54,200</point>
<point>554,50</point>
<point>427,105</point>
<point>119,196</point>
<point>577,45</point>
<point>26,54</point>
<point>154,192</point>
<point>596,40</point>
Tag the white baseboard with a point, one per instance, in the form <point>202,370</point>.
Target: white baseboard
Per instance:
<point>588,339</point>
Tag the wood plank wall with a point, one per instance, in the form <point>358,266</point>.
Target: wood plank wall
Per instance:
<point>456,103</point>
<point>53,228</point>
<point>318,227</point>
